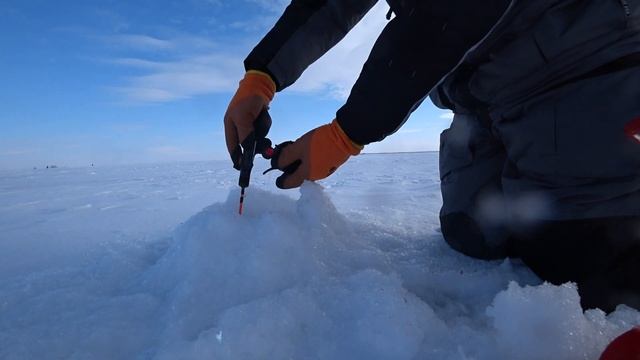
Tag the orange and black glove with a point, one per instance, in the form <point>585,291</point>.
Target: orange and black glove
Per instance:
<point>314,156</point>
<point>254,94</point>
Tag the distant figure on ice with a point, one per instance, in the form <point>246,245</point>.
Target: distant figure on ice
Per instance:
<point>542,160</point>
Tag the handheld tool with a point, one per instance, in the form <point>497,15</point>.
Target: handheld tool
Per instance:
<point>255,143</point>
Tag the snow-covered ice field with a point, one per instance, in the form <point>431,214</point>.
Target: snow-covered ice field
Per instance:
<point>153,261</point>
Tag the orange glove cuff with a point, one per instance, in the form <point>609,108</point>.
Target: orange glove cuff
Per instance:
<point>330,148</point>
<point>256,83</point>
<point>349,145</point>
<point>342,140</point>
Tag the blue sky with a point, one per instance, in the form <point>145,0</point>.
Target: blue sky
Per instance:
<point>116,82</point>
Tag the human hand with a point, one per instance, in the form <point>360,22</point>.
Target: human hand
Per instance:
<point>314,156</point>
<point>253,96</point>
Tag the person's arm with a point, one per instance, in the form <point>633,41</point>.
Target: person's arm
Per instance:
<point>409,58</point>
<point>412,54</point>
<point>305,32</point>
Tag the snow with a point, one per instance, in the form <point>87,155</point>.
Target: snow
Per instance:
<point>154,262</point>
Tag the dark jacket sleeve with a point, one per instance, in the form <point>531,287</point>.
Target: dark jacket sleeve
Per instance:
<point>305,32</point>
<point>415,50</point>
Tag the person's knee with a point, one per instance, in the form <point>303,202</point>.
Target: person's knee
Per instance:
<point>465,235</point>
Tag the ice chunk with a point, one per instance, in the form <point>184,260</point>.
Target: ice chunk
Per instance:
<point>546,322</point>
<point>367,315</point>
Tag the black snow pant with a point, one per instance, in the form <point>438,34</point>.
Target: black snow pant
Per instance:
<point>557,185</point>
<point>601,255</point>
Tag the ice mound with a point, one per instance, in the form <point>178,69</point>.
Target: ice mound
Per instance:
<point>546,322</point>
<point>287,280</point>
<point>295,279</point>
<point>219,259</point>
<point>366,315</point>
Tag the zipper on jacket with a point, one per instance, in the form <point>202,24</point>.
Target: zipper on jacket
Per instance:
<point>627,8</point>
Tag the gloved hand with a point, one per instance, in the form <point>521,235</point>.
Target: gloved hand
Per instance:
<point>314,156</point>
<point>254,94</point>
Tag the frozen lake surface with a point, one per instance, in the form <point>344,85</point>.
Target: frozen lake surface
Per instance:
<point>153,262</point>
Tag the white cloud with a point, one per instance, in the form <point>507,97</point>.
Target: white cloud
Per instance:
<point>181,79</point>
<point>137,63</point>
<point>193,67</point>
<point>447,115</point>
<point>202,67</point>
<point>175,44</point>
<point>142,42</point>
<point>338,70</point>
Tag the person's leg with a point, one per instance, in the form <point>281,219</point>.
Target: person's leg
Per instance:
<point>572,186</point>
<point>601,255</point>
<point>472,217</point>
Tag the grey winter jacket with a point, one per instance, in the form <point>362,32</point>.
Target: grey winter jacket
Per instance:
<point>541,104</point>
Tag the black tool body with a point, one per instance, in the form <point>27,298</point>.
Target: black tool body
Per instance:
<point>255,143</point>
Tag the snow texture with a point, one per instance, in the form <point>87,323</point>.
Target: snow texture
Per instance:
<point>353,269</point>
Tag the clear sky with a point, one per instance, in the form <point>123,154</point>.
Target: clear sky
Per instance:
<point>117,82</point>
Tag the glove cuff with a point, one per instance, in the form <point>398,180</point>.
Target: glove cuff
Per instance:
<point>258,83</point>
<point>342,140</point>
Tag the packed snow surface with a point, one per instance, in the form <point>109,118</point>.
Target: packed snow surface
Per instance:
<point>124,263</point>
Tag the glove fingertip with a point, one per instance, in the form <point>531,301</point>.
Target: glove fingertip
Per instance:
<point>280,182</point>
<point>236,157</point>
<point>288,181</point>
<point>277,152</point>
